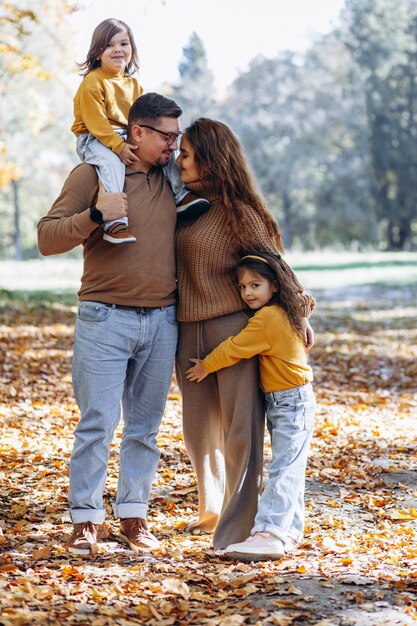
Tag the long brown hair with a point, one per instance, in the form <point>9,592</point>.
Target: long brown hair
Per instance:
<point>274,269</point>
<point>102,35</point>
<point>221,164</point>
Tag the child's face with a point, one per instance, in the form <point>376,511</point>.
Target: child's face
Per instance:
<point>255,290</point>
<point>117,54</point>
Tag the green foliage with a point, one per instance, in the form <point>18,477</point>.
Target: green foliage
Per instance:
<point>37,298</point>
<point>302,121</point>
<point>382,35</point>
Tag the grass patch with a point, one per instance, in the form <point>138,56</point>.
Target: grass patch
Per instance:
<point>38,298</point>
<point>57,279</point>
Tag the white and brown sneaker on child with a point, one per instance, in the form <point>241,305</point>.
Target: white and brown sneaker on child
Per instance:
<point>119,233</point>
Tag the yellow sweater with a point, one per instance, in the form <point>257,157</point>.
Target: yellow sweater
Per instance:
<point>282,357</point>
<point>101,106</point>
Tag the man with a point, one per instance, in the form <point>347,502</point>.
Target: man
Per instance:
<point>125,332</point>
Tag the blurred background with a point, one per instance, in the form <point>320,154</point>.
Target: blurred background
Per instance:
<point>323,96</point>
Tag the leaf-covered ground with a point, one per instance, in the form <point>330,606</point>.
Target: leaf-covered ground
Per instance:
<point>358,563</point>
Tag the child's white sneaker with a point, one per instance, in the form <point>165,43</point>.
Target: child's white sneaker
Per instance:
<point>258,547</point>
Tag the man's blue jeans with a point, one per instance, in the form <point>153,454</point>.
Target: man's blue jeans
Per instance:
<point>290,416</point>
<point>119,355</point>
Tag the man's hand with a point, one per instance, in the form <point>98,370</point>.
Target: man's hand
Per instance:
<point>127,155</point>
<point>112,205</point>
<point>308,334</point>
<point>196,373</point>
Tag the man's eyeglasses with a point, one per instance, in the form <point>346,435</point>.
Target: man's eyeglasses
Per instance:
<point>170,138</point>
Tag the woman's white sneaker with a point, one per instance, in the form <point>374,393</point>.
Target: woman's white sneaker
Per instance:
<point>257,547</point>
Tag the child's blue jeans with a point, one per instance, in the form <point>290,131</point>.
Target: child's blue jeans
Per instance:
<point>290,423</point>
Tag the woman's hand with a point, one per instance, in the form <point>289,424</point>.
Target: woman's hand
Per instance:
<point>197,372</point>
<point>308,334</point>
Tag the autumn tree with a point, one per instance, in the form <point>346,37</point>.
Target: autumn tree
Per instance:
<point>33,109</point>
<point>301,120</point>
<point>344,212</point>
<point>382,36</point>
<point>267,109</point>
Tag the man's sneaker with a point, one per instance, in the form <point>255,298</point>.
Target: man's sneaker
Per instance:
<point>258,547</point>
<point>83,538</point>
<point>134,531</point>
<point>119,233</point>
<point>191,207</point>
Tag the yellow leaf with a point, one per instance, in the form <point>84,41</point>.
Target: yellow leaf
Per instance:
<point>43,593</point>
<point>180,524</point>
<point>97,593</point>
<point>232,620</point>
<point>143,610</point>
<point>174,585</point>
<point>333,503</point>
<point>239,581</point>
<point>402,514</point>
<point>278,620</point>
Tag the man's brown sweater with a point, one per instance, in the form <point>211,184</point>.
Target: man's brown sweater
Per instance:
<point>139,274</point>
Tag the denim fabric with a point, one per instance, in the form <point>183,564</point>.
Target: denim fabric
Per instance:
<point>172,174</point>
<point>110,169</point>
<point>290,415</point>
<point>119,355</point>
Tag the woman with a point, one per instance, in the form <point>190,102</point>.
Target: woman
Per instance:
<point>223,416</point>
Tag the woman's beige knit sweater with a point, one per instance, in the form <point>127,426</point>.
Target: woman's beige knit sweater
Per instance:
<point>206,255</point>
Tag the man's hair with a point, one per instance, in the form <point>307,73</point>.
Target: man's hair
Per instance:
<point>150,107</point>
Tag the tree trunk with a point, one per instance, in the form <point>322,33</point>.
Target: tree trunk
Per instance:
<point>399,234</point>
<point>16,237</point>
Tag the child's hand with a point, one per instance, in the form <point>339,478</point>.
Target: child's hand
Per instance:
<point>197,372</point>
<point>127,155</point>
<point>308,334</point>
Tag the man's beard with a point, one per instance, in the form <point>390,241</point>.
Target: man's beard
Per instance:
<point>162,160</point>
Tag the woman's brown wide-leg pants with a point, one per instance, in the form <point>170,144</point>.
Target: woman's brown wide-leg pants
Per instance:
<point>223,422</point>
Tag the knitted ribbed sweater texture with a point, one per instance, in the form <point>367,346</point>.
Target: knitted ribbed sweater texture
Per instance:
<point>206,255</point>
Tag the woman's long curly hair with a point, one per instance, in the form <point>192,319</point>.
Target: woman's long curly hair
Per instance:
<point>273,269</point>
<point>222,165</point>
<point>102,35</point>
